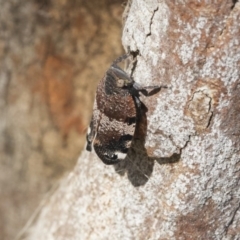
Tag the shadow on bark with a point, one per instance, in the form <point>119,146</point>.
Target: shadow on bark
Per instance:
<point>138,165</point>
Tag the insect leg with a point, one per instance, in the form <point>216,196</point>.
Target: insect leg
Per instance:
<point>90,135</point>
<point>144,89</point>
<point>93,127</point>
<point>120,59</point>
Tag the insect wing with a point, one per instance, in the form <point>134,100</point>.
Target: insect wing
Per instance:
<point>113,139</point>
<point>117,116</point>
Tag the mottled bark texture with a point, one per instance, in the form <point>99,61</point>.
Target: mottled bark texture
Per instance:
<point>52,53</point>
<point>181,178</point>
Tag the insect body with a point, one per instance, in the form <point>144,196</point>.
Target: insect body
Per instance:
<point>115,114</point>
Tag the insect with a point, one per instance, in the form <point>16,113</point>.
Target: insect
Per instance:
<point>115,113</point>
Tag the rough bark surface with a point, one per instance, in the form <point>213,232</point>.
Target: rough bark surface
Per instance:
<point>181,181</point>
<point>51,55</point>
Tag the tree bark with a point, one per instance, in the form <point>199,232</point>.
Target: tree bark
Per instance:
<point>182,175</point>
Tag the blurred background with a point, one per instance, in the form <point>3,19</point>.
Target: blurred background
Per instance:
<point>53,53</point>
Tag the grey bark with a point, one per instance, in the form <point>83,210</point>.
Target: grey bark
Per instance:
<point>181,178</point>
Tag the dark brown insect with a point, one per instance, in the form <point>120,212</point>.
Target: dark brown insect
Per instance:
<point>115,113</point>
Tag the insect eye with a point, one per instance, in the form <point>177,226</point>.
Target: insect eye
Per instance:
<point>120,83</point>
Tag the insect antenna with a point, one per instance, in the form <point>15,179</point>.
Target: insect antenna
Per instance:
<point>120,59</point>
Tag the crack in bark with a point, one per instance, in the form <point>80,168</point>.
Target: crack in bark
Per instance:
<point>151,21</point>
<point>234,3</point>
<point>196,108</point>
<point>210,119</point>
<point>126,11</point>
<point>222,32</point>
<point>209,110</point>
<point>226,229</point>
